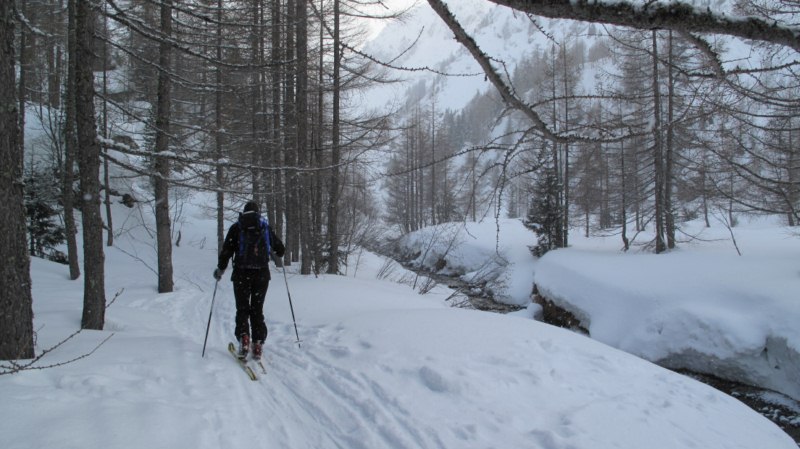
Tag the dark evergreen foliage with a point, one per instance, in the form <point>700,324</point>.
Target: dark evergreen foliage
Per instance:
<point>544,213</point>
<point>42,210</point>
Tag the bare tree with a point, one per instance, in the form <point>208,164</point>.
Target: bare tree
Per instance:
<point>218,132</point>
<point>162,164</point>
<point>16,303</point>
<point>333,200</point>
<point>94,300</point>
<point>70,149</point>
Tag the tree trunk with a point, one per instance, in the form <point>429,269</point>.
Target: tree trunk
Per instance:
<point>558,227</point>
<point>257,124</point>
<point>220,174</point>
<point>565,183</point>
<point>433,158</point>
<point>94,300</point>
<point>290,142</point>
<point>319,157</point>
<point>22,92</point>
<point>276,156</point>
<point>703,185</point>
<point>16,302</point>
<point>304,187</point>
<point>624,194</point>
<point>668,159</point>
<point>70,150</point>
<point>658,156</point>
<point>162,163</point>
<point>793,169</point>
<point>106,174</point>
<point>333,196</point>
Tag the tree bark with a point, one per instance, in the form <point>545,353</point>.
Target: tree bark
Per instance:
<point>220,172</point>
<point>670,148</point>
<point>94,301</point>
<point>70,150</point>
<point>16,302</point>
<point>276,197</point>
<point>106,174</point>
<point>162,163</point>
<point>658,151</point>
<point>333,195</point>
<point>565,179</point>
<point>22,93</point>
<point>291,205</point>
<point>303,181</point>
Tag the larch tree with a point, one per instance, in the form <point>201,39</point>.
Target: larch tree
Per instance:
<point>160,150</point>
<point>333,195</point>
<point>70,149</point>
<point>94,299</point>
<point>16,302</point>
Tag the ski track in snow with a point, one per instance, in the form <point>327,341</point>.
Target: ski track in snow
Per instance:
<point>302,385</point>
<point>354,411</point>
<point>332,384</point>
<point>377,368</point>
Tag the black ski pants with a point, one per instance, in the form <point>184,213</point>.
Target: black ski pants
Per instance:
<point>250,289</point>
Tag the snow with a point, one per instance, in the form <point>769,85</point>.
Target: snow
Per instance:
<point>378,366</point>
<point>435,49</point>
<point>701,307</point>
<point>477,252</point>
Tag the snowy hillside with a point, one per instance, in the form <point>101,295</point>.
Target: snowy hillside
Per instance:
<point>498,30</point>
<point>702,307</point>
<point>379,366</point>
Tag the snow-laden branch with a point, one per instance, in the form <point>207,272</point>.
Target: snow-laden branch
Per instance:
<point>678,16</point>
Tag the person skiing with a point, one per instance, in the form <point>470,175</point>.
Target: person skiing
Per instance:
<point>249,241</point>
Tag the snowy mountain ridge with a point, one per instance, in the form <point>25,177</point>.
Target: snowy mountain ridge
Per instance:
<point>501,32</point>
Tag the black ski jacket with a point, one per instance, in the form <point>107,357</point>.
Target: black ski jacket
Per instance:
<point>231,246</point>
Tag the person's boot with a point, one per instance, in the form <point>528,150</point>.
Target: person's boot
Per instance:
<point>257,349</point>
<point>244,346</point>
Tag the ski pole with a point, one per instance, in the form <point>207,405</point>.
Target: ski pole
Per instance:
<point>289,294</point>
<point>208,326</point>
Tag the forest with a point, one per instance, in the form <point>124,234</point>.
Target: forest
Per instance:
<point>657,114</point>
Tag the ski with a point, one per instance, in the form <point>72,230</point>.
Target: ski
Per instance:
<point>243,363</point>
<point>261,366</point>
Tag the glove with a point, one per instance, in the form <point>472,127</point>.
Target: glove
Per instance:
<point>218,273</point>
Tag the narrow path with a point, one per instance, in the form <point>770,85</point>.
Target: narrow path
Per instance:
<point>349,409</point>
<point>327,383</point>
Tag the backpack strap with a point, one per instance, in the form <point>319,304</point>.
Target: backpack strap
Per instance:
<point>265,229</point>
<point>241,237</point>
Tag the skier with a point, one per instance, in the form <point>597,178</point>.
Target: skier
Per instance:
<point>249,241</point>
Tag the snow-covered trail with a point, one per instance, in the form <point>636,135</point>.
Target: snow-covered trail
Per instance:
<point>312,395</point>
<point>380,370</point>
<point>379,366</point>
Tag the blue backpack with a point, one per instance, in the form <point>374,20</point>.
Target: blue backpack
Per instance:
<point>254,245</point>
